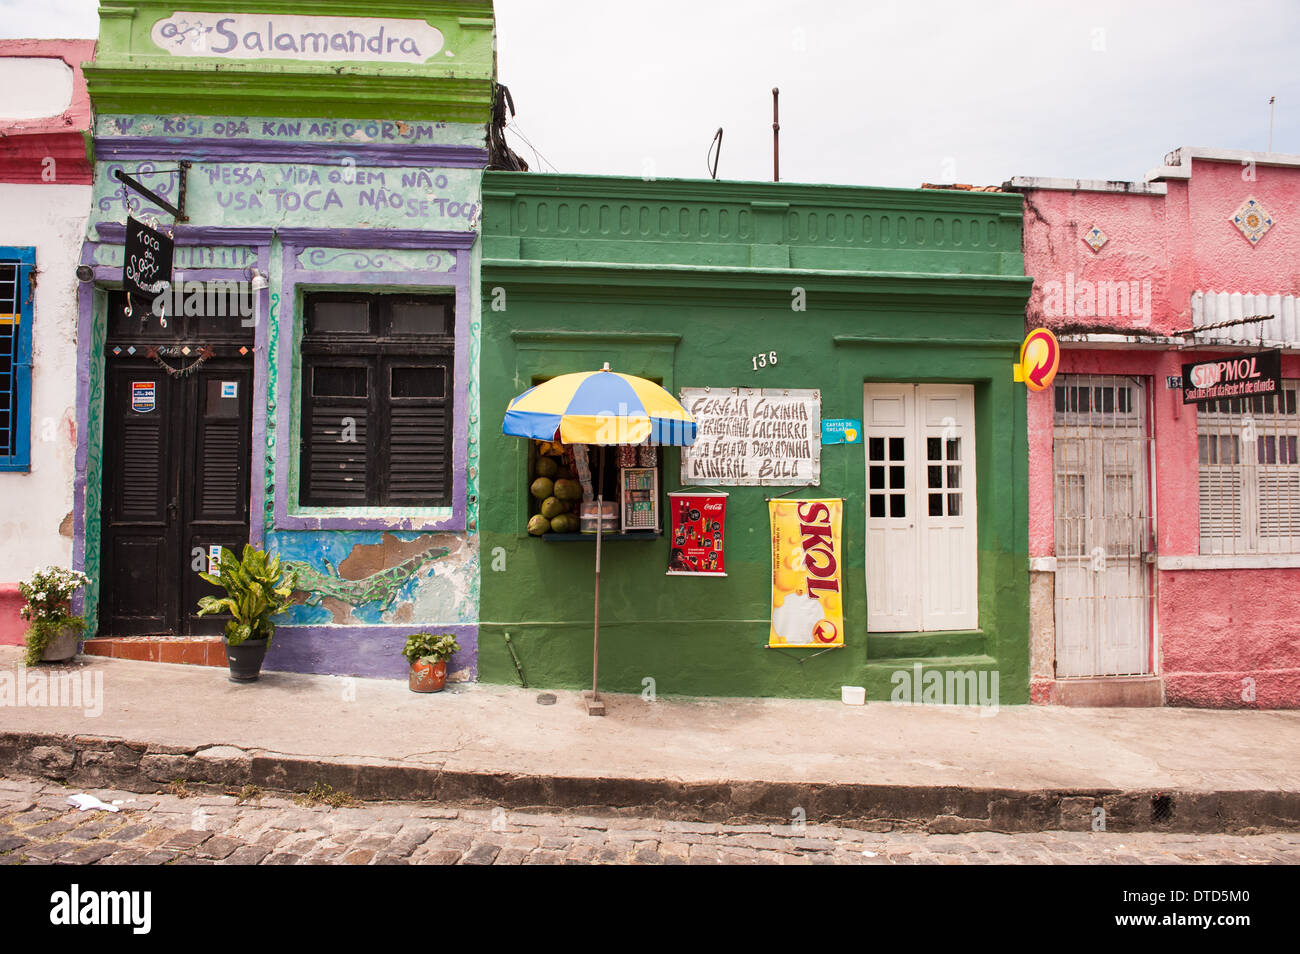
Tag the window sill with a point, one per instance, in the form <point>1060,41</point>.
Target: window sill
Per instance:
<point>591,537</point>
<point>1230,561</point>
<point>424,520</point>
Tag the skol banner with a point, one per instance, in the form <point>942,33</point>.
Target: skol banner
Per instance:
<point>807,605</point>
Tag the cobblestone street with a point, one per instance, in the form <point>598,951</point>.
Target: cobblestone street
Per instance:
<point>38,826</point>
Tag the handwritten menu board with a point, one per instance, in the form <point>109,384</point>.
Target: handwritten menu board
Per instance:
<point>753,436</point>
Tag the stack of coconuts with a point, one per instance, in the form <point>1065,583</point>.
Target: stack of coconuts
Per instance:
<point>557,490</point>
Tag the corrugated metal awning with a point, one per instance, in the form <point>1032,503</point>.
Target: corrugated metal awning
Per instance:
<point>1280,327</point>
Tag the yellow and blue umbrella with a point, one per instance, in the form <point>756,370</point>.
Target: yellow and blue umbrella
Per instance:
<point>599,407</point>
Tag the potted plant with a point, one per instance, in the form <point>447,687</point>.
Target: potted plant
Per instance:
<point>256,590</point>
<point>52,630</point>
<point>428,655</point>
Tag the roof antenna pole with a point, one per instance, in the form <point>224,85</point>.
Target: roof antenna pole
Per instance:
<point>717,141</point>
<point>776,138</point>
<point>1270,122</point>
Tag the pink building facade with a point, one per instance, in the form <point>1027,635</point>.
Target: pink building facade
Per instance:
<point>1164,536</point>
<point>45,180</point>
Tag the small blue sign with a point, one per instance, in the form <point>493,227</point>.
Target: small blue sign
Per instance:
<point>841,430</point>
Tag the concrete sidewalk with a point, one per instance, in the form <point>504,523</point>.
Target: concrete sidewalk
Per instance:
<point>1018,768</point>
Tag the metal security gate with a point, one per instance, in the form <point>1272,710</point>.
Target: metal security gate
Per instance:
<point>1101,453</point>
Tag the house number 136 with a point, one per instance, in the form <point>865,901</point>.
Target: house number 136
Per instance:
<point>763,360</point>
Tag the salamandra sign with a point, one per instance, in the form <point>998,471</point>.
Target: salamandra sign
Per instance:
<point>282,36</point>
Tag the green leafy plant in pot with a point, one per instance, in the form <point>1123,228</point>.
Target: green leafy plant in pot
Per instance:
<point>428,655</point>
<point>256,590</point>
<point>52,630</point>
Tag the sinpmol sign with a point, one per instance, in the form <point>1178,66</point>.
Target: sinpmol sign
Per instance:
<point>1240,376</point>
<point>284,36</point>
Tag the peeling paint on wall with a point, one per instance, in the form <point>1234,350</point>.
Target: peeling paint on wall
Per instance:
<point>346,578</point>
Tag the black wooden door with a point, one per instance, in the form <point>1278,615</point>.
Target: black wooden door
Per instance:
<point>215,479</point>
<point>176,481</point>
<point>140,529</point>
<point>177,463</point>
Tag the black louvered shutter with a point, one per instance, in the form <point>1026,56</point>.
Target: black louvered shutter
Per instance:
<point>419,431</point>
<point>143,451</point>
<point>221,468</point>
<point>140,490</point>
<point>336,431</point>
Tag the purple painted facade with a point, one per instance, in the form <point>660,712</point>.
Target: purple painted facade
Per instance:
<point>323,634</point>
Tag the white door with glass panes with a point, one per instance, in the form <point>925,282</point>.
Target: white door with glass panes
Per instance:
<point>921,546</point>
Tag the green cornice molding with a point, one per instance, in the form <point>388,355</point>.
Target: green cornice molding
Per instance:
<point>231,92</point>
<point>762,195</point>
<point>964,344</point>
<point>559,335</point>
<point>590,281</point>
<point>413,9</point>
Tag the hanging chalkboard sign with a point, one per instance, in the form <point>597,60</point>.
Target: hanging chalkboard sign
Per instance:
<point>147,271</point>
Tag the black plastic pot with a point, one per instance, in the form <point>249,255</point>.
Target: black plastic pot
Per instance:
<point>246,659</point>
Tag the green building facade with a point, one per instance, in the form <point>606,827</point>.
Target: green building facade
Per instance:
<point>901,309</point>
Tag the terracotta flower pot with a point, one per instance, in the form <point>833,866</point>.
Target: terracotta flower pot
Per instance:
<point>427,676</point>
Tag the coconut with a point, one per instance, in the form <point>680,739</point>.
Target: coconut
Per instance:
<point>537,525</point>
<point>552,507</point>
<point>542,488</point>
<point>566,489</point>
<point>547,467</point>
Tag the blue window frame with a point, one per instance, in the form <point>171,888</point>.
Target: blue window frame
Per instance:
<point>16,266</point>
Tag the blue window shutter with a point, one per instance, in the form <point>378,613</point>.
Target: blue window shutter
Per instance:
<point>20,458</point>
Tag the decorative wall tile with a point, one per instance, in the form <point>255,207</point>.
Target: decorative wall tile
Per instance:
<point>1095,238</point>
<point>1252,220</point>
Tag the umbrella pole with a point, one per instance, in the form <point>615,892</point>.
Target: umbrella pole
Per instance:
<point>595,707</point>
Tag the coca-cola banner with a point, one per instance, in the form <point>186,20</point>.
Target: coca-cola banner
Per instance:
<point>698,524</point>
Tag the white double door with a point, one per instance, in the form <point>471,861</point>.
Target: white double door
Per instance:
<point>922,561</point>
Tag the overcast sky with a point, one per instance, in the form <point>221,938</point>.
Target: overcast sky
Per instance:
<point>879,92</point>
